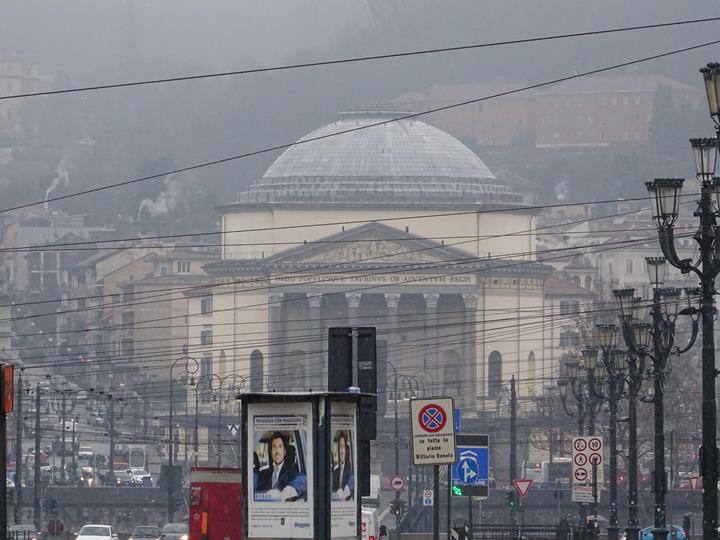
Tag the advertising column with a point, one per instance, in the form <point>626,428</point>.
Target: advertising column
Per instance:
<point>280,456</point>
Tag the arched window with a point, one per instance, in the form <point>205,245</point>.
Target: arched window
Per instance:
<point>256,371</point>
<point>452,373</point>
<point>588,282</point>
<point>494,373</point>
<point>298,374</point>
<point>531,366</point>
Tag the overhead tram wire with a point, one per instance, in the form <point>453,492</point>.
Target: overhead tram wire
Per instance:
<point>195,288</point>
<point>605,248</point>
<point>408,116</point>
<point>513,316</point>
<point>387,56</point>
<point>412,267</point>
<point>298,243</point>
<point>536,315</point>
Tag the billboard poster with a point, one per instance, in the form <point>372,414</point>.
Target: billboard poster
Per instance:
<point>343,455</point>
<point>280,456</point>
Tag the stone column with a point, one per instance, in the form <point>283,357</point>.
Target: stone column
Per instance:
<point>318,342</point>
<point>432,361</point>
<point>353,301</point>
<point>393,352</point>
<point>470,352</point>
<point>275,365</point>
<point>392,301</point>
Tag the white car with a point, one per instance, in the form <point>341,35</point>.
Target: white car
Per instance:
<point>97,532</point>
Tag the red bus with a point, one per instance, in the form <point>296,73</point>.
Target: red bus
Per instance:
<point>215,504</point>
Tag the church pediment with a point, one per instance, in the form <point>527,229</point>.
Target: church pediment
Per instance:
<point>370,243</point>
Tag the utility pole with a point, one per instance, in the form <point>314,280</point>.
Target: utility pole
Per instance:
<point>62,440</point>
<point>18,448</point>
<point>74,462</point>
<point>63,408</point>
<point>4,372</point>
<point>37,488</point>
<point>513,448</point>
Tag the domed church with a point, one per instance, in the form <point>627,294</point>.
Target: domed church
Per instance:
<point>375,220</point>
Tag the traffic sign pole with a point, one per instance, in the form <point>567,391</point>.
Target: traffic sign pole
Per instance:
<point>436,502</point>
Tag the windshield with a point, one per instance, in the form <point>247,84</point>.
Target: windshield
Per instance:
<point>146,531</point>
<point>175,528</point>
<point>95,530</point>
<point>30,528</point>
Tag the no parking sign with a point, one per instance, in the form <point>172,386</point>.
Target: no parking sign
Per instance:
<point>587,455</point>
<point>433,431</point>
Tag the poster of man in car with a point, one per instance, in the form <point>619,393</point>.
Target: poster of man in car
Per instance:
<point>281,501</point>
<point>343,454</point>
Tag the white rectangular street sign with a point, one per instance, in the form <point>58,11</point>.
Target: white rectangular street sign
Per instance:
<point>433,431</point>
<point>587,455</point>
<point>582,494</point>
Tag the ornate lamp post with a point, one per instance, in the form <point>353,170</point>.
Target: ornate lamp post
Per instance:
<point>614,362</point>
<point>665,197</point>
<point>637,338</point>
<point>665,310</point>
<point>190,367</point>
<point>587,404</point>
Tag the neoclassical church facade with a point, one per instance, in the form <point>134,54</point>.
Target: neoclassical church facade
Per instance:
<point>378,221</point>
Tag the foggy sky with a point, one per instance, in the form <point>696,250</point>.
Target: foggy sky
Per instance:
<point>79,42</point>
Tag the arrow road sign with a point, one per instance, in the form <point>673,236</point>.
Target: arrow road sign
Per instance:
<point>522,486</point>
<point>470,469</point>
<point>470,473</point>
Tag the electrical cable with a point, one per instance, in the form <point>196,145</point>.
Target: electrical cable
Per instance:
<point>402,117</point>
<point>319,63</point>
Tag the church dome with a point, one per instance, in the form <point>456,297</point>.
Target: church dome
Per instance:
<point>353,161</point>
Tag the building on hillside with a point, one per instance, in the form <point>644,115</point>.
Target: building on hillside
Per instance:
<point>584,112</point>
<point>17,76</point>
<point>125,303</point>
<point>566,307</point>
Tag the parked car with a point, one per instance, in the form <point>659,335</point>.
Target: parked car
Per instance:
<point>96,532</point>
<point>22,532</point>
<point>145,532</point>
<point>175,531</point>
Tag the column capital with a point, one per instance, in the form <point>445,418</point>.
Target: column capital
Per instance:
<point>353,299</point>
<point>275,299</point>
<point>431,300</point>
<point>315,300</point>
<point>392,300</point>
<point>471,301</point>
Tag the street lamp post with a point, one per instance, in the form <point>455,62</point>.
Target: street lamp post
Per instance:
<point>665,203</point>
<point>587,404</point>
<point>218,398</point>
<point>665,310</point>
<point>614,362</point>
<point>190,367</point>
<point>636,335</point>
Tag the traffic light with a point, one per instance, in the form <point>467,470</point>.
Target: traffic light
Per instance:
<point>511,500</point>
<point>50,505</point>
<point>398,508</point>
